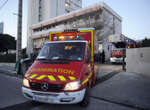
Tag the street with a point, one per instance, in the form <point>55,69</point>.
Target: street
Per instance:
<point>123,91</point>
<point>10,92</point>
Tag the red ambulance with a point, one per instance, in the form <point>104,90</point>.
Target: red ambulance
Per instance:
<point>63,72</point>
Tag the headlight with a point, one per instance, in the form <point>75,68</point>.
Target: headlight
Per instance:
<point>72,85</point>
<point>26,82</point>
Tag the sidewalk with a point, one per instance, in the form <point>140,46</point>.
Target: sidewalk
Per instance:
<point>127,89</point>
<point>105,71</point>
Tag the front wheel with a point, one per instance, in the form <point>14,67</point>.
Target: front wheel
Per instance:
<point>86,99</point>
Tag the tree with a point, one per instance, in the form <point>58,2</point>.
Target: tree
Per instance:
<point>144,43</point>
<point>7,42</point>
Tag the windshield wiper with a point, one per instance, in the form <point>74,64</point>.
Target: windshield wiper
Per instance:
<point>67,59</point>
<point>58,58</point>
<point>41,59</point>
<point>44,59</point>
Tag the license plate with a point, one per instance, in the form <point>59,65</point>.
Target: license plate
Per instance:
<point>119,60</point>
<point>42,98</point>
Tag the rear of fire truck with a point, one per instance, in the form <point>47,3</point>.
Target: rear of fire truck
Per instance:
<point>63,72</point>
<point>118,45</point>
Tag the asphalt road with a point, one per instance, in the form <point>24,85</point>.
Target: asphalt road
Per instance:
<point>11,99</point>
<point>10,91</point>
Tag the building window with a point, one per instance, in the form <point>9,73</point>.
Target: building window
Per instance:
<point>40,10</point>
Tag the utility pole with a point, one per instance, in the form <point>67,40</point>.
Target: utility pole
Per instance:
<point>19,32</point>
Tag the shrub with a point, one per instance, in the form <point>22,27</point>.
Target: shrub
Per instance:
<point>9,58</point>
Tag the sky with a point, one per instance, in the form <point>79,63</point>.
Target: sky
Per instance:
<point>135,16</point>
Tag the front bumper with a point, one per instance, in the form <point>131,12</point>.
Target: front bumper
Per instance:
<point>116,60</point>
<point>54,97</point>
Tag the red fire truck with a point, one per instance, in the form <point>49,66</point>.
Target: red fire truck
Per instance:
<point>63,72</point>
<point>118,45</point>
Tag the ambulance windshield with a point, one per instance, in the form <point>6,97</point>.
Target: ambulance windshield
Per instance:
<point>73,51</point>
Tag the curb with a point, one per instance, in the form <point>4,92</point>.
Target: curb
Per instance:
<point>10,73</point>
<point>106,77</point>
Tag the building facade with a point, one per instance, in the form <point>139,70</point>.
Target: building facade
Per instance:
<point>43,10</point>
<point>99,16</point>
<point>1,28</point>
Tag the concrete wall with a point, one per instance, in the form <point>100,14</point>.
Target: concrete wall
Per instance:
<point>138,60</point>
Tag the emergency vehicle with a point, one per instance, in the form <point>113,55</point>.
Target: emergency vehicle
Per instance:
<point>118,45</point>
<point>63,72</point>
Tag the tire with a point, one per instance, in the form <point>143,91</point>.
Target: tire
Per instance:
<point>86,100</point>
<point>35,103</point>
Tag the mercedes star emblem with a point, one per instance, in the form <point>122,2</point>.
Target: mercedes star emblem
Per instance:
<point>44,86</point>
